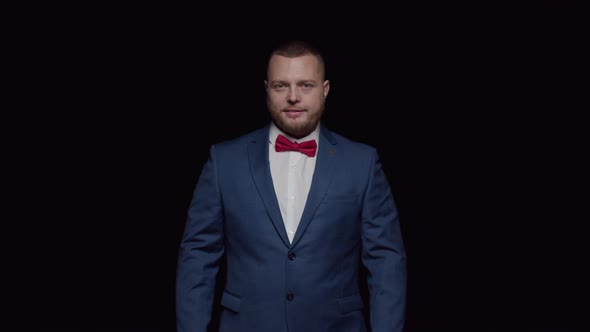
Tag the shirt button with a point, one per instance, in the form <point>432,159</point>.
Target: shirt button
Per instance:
<point>292,256</point>
<point>291,197</point>
<point>290,296</point>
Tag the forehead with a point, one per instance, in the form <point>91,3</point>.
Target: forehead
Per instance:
<point>301,67</point>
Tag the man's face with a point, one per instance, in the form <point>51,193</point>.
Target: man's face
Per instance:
<point>296,90</point>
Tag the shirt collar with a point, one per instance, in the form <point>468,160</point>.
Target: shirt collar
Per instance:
<point>275,131</point>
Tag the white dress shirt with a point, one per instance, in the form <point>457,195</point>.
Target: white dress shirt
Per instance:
<point>291,172</point>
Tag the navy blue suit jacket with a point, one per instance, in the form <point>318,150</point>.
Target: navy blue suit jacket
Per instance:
<point>312,284</point>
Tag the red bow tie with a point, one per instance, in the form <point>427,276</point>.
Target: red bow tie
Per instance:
<point>283,144</point>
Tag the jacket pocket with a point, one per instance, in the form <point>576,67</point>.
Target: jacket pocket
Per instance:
<point>230,301</point>
<point>351,303</point>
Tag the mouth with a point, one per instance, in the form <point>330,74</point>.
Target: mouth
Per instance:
<point>293,113</point>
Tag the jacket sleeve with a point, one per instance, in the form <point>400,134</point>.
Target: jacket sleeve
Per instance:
<point>383,254</point>
<point>200,252</point>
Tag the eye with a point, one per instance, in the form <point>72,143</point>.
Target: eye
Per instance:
<point>308,85</point>
<point>278,86</point>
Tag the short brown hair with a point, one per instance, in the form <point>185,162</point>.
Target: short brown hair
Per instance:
<point>296,48</point>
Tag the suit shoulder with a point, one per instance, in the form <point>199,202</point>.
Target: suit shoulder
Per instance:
<point>357,146</point>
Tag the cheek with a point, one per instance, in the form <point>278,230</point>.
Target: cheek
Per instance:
<point>274,100</point>
<point>317,102</point>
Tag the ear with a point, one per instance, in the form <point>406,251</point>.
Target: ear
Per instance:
<point>326,88</point>
<point>265,84</point>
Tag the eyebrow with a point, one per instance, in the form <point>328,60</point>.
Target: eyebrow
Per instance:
<point>297,82</point>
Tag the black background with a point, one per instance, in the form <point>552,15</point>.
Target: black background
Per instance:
<point>476,110</point>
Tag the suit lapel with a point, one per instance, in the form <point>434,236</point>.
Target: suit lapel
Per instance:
<point>260,169</point>
<point>322,176</point>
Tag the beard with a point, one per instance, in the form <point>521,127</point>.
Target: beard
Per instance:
<point>296,129</point>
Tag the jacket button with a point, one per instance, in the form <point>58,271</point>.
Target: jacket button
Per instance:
<point>292,256</point>
<point>290,296</point>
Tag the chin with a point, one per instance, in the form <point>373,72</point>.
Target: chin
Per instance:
<point>299,130</point>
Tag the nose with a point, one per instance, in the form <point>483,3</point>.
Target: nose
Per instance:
<point>293,96</point>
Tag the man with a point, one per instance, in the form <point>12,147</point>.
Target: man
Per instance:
<point>292,221</point>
